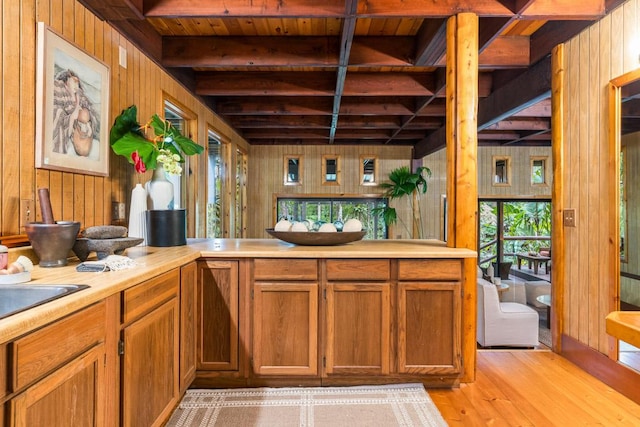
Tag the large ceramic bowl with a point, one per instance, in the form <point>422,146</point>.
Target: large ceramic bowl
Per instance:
<point>316,238</point>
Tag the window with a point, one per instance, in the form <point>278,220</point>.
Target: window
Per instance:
<point>368,170</point>
<point>330,169</point>
<point>239,229</point>
<point>501,170</point>
<point>623,203</point>
<point>331,209</point>
<point>216,177</point>
<point>179,118</point>
<point>538,171</point>
<point>292,170</point>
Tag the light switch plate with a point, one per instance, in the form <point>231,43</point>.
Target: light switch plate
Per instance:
<point>569,217</point>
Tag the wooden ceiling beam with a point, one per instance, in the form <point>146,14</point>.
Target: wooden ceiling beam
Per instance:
<point>272,106</point>
<point>531,124</point>
<point>388,84</point>
<point>562,9</point>
<point>115,10</point>
<point>431,43</point>
<point>276,51</point>
<point>244,9</point>
<point>265,84</point>
<point>525,90</point>
<point>372,106</point>
<point>369,122</point>
<point>505,52</point>
<point>223,52</point>
<point>286,134</point>
<point>281,122</point>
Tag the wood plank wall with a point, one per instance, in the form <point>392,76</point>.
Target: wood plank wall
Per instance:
<point>266,173</point>
<point>520,158</point>
<point>601,52</point>
<point>266,169</point>
<point>74,196</point>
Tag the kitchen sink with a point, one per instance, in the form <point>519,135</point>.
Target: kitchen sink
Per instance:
<point>17,298</point>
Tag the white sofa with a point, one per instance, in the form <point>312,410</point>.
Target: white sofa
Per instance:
<point>508,324</point>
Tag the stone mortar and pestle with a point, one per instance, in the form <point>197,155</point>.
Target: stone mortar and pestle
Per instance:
<point>51,240</point>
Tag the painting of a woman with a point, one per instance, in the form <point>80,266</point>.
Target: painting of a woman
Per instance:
<point>75,123</point>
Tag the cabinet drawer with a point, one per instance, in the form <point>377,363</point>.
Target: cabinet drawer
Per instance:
<point>358,269</point>
<point>50,347</point>
<point>144,297</point>
<point>430,269</point>
<point>285,269</point>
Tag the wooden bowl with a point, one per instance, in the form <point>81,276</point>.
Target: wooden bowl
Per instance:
<point>315,238</point>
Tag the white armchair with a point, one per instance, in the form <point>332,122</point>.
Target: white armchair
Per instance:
<point>504,323</point>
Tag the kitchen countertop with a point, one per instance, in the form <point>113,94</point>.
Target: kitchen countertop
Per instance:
<point>152,261</point>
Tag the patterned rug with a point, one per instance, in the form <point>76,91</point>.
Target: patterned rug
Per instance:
<point>389,405</point>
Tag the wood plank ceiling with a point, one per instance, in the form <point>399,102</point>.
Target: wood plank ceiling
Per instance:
<point>355,72</point>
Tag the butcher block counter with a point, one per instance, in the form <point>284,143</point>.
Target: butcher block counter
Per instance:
<point>237,313</point>
<point>154,260</point>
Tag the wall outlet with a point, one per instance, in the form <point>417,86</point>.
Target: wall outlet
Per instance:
<point>117,211</point>
<point>27,213</point>
<point>569,217</point>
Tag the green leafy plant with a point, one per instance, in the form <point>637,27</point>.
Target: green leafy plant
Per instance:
<point>404,183</point>
<point>168,146</point>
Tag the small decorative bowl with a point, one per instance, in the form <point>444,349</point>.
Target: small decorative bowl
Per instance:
<point>314,238</point>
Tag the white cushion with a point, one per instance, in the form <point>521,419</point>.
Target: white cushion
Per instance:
<point>504,323</point>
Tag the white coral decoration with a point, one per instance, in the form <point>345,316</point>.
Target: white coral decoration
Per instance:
<point>170,161</point>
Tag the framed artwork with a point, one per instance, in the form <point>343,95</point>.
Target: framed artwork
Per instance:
<point>72,107</point>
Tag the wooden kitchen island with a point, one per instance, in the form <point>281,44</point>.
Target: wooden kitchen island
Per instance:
<point>240,312</point>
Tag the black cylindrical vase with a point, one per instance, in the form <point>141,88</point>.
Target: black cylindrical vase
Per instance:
<point>166,227</point>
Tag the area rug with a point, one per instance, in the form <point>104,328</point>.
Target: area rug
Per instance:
<point>389,405</point>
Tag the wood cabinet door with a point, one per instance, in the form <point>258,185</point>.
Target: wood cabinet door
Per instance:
<point>73,395</point>
<point>358,328</point>
<point>285,328</point>
<point>429,322</point>
<point>150,376</point>
<point>218,315</point>
<point>188,309</point>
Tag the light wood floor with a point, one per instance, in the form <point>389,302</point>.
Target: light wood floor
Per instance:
<point>533,388</point>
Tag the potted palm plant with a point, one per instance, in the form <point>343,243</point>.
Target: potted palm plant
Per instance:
<point>406,184</point>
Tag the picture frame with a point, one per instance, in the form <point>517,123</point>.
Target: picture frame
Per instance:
<point>72,107</point>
